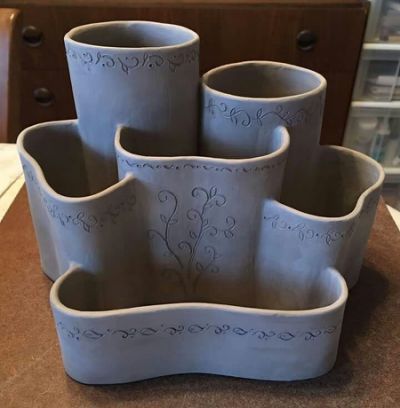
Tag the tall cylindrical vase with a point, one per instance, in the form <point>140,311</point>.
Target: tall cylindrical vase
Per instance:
<point>244,102</point>
<point>143,75</point>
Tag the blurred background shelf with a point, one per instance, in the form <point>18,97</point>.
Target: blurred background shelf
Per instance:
<point>376,104</point>
<point>392,174</point>
<point>373,126</point>
<point>384,22</point>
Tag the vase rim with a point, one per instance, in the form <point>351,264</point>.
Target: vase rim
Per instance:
<point>283,147</point>
<point>71,124</point>
<point>320,88</point>
<point>192,36</point>
<point>360,202</point>
<point>337,303</point>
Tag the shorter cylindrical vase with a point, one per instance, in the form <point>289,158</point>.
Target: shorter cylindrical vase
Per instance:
<point>132,344</point>
<point>242,104</point>
<point>135,73</point>
<point>200,216</point>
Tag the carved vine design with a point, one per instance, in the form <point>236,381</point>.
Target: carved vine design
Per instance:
<point>304,232</point>
<point>188,268</point>
<point>88,222</point>
<point>241,117</point>
<point>205,167</point>
<point>132,62</point>
<point>218,329</point>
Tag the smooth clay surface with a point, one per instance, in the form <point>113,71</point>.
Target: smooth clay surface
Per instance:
<point>226,253</point>
<point>135,73</point>
<point>243,102</point>
<point>134,344</point>
<point>32,373</point>
<point>185,236</point>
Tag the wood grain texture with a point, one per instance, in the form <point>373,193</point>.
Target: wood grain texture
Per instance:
<point>9,74</point>
<point>32,376</point>
<point>230,31</point>
<point>180,3</point>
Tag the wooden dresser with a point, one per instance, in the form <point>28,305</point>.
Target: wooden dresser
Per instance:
<point>323,35</point>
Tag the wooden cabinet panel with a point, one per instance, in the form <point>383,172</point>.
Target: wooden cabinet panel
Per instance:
<point>9,74</point>
<point>229,32</point>
<point>60,107</point>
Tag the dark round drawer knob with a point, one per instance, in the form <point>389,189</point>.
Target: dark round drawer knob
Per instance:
<point>43,96</point>
<point>32,36</point>
<point>306,40</point>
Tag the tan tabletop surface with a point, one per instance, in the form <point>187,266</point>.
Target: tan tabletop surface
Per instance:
<point>367,372</point>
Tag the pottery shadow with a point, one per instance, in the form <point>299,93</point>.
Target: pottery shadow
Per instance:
<point>334,185</point>
<point>64,160</point>
<point>60,156</point>
<point>369,293</point>
<point>151,144</point>
<point>147,143</point>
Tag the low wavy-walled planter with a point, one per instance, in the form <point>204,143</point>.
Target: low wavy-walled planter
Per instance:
<point>122,345</point>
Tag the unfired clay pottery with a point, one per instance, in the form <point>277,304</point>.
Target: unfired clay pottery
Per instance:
<point>185,236</point>
<point>347,190</point>
<point>242,104</point>
<point>245,101</point>
<point>121,345</point>
<point>191,211</point>
<point>135,73</point>
<point>195,263</point>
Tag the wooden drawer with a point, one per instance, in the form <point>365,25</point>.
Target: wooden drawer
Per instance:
<point>61,106</point>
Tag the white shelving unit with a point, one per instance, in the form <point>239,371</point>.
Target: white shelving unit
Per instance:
<point>373,126</point>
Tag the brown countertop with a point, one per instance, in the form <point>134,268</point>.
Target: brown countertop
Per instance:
<point>367,372</point>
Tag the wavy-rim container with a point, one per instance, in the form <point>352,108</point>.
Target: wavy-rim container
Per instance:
<point>132,344</point>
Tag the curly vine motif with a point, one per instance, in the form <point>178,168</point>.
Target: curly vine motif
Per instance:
<point>304,232</point>
<point>266,334</point>
<point>189,268</point>
<point>130,63</point>
<point>81,218</point>
<point>239,116</point>
<point>203,167</point>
